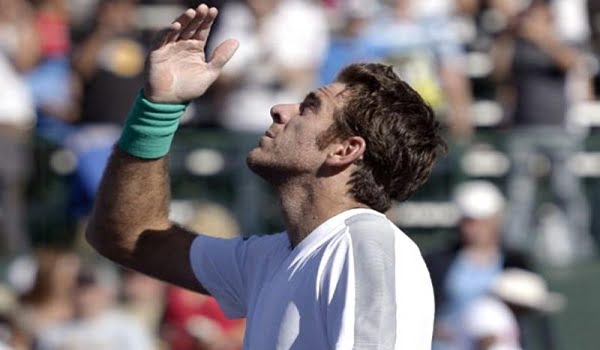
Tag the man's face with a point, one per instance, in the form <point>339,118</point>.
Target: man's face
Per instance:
<point>289,147</point>
<point>481,231</point>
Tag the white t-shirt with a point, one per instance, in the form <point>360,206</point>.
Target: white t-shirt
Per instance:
<point>356,282</point>
<point>16,103</point>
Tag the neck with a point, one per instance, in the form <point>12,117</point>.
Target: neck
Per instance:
<point>484,253</point>
<point>306,205</point>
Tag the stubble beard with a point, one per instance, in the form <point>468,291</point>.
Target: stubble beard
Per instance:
<point>265,167</point>
<point>275,168</point>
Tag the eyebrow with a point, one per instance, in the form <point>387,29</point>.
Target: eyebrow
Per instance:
<point>312,101</point>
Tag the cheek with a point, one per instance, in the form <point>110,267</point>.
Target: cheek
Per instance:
<point>294,138</point>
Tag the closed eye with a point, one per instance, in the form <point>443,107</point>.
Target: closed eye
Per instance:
<point>311,102</point>
<point>303,107</point>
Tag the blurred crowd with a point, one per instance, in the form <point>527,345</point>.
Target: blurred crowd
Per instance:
<point>63,297</point>
<point>69,70</point>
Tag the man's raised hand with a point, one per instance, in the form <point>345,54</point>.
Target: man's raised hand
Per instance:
<point>177,69</point>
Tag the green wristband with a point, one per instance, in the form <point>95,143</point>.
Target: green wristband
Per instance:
<point>150,128</point>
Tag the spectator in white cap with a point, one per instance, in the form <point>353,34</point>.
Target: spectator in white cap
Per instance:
<point>466,270</point>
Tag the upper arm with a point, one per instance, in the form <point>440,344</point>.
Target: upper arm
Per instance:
<point>223,268</point>
<point>166,256</point>
<point>162,254</point>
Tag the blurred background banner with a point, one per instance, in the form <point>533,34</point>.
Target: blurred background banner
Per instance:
<point>509,221</point>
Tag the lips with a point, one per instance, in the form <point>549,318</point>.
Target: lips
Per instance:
<point>269,134</point>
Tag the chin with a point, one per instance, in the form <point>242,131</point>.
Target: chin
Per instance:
<point>257,163</point>
<point>260,164</point>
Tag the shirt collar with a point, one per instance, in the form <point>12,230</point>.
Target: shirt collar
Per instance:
<point>325,230</point>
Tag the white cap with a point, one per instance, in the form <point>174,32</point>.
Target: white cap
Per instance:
<point>527,289</point>
<point>478,199</point>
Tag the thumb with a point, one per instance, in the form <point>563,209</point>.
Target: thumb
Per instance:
<point>223,53</point>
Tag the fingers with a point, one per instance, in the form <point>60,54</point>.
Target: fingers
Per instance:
<point>192,24</point>
<point>223,53</point>
<point>180,23</point>
<point>204,29</point>
<point>195,23</point>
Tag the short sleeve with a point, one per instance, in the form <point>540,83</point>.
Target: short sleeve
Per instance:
<point>231,268</point>
<point>359,289</point>
<point>377,290</point>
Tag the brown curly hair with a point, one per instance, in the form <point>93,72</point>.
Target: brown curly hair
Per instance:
<point>401,132</point>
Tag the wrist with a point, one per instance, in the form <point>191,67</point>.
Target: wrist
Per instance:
<point>151,95</point>
<point>150,127</point>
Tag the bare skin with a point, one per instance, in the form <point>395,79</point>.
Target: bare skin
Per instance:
<point>130,222</point>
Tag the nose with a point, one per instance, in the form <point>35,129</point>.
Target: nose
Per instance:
<point>281,113</point>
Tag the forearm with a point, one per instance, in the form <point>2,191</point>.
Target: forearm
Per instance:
<point>133,197</point>
<point>457,90</point>
<point>130,224</point>
<point>563,55</point>
<point>502,55</point>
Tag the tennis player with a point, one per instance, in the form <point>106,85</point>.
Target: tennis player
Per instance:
<point>341,276</point>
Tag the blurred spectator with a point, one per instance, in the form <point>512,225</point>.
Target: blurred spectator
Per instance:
<point>490,322</point>
<point>214,220</point>
<point>194,321</point>
<point>347,45</point>
<point>109,64</point>
<point>16,121</point>
<point>50,78</point>
<point>12,336</point>
<point>468,7</point>
<point>96,323</point>
<point>17,116</point>
<point>466,271</point>
<point>533,61</point>
<point>283,42</point>
<point>49,302</point>
<point>593,12</point>
<point>144,299</point>
<point>19,40</point>
<point>417,38</point>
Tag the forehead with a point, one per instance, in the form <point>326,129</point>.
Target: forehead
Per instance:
<point>331,94</point>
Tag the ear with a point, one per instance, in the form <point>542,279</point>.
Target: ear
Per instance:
<point>346,152</point>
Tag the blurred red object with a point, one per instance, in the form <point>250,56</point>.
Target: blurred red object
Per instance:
<point>183,312</point>
<point>53,30</point>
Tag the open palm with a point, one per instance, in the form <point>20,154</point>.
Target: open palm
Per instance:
<point>177,68</point>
